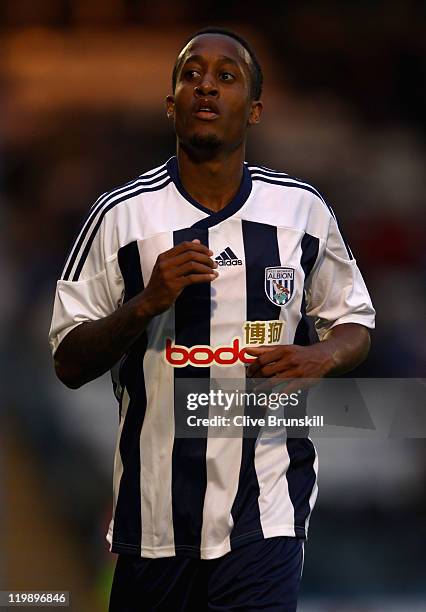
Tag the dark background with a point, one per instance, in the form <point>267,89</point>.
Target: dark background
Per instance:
<point>82,88</point>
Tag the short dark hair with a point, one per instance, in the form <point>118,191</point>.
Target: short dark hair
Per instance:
<point>255,69</point>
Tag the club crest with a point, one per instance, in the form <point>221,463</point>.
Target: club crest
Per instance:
<point>279,285</point>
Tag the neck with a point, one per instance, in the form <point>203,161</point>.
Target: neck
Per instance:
<point>213,182</point>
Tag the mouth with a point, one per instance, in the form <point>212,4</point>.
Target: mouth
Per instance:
<point>206,110</point>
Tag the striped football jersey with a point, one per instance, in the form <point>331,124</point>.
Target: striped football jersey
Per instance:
<point>281,258</point>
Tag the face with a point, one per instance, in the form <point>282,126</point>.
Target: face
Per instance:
<point>212,105</point>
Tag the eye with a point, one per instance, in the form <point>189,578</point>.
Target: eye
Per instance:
<point>192,74</point>
<point>227,76</point>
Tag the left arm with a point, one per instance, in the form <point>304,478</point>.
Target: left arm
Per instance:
<point>338,301</point>
<point>343,348</point>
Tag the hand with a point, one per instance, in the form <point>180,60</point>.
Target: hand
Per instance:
<point>290,361</point>
<point>188,263</point>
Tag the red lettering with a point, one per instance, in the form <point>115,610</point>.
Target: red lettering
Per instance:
<point>227,349</point>
<point>246,358</point>
<point>171,350</point>
<point>203,355</point>
<point>198,360</point>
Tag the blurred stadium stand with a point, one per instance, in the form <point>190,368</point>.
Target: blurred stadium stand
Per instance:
<point>82,87</point>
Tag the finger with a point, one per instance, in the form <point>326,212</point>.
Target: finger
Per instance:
<point>196,279</point>
<point>268,355</point>
<point>183,247</point>
<point>188,246</point>
<point>192,256</point>
<point>258,350</point>
<point>271,369</point>
<point>193,267</point>
<point>253,368</point>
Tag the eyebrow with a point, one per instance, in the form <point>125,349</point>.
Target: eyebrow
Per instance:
<point>201,59</point>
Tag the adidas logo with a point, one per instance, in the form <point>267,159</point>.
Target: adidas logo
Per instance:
<point>228,258</point>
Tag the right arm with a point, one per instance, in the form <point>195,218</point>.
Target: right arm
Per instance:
<point>93,347</point>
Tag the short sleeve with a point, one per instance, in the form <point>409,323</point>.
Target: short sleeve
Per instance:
<point>336,292</point>
<point>95,288</point>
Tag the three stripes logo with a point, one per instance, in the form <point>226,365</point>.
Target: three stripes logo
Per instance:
<point>228,258</point>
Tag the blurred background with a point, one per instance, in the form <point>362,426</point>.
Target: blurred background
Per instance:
<point>82,88</point>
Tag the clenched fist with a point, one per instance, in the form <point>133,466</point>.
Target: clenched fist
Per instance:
<point>188,263</point>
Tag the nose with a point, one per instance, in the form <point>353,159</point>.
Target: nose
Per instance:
<point>206,88</point>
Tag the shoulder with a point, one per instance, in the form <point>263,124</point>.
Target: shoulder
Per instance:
<point>289,202</point>
<point>106,226</point>
<point>115,207</point>
<point>277,178</point>
<point>151,180</point>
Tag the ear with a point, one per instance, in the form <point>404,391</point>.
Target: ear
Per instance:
<point>170,106</point>
<point>255,112</point>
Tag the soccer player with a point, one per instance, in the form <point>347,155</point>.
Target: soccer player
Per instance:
<point>174,275</point>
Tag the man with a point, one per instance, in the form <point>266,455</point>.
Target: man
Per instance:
<point>165,270</point>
